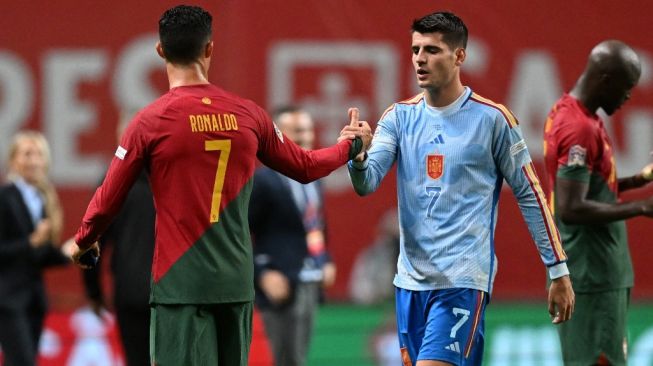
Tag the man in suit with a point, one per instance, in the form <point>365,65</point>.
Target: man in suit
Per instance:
<point>291,264</point>
<point>30,224</point>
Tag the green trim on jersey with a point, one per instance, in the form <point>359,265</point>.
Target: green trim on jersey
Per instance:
<point>574,172</point>
<point>219,267</point>
<point>599,258</point>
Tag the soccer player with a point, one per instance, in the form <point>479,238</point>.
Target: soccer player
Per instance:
<point>453,150</point>
<point>199,144</point>
<point>584,195</point>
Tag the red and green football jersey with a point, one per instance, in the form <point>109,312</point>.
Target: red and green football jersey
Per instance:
<point>199,145</point>
<point>577,147</point>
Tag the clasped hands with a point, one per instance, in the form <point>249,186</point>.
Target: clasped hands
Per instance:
<point>357,128</point>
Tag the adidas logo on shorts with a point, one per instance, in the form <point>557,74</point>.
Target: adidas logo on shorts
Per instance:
<point>455,346</point>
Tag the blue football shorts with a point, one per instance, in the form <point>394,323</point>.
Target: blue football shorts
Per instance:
<point>444,325</point>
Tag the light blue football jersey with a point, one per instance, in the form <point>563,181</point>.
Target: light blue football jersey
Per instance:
<point>451,164</point>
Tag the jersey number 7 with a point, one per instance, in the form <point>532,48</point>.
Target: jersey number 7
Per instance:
<point>434,193</point>
<point>224,147</point>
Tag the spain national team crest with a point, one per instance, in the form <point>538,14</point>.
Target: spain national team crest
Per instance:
<point>435,165</point>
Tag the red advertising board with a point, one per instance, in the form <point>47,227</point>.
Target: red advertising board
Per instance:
<point>81,338</point>
<point>70,67</point>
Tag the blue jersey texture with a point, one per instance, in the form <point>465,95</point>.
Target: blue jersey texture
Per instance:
<point>451,165</point>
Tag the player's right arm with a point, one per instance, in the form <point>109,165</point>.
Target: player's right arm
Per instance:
<point>366,175</point>
<point>108,198</point>
<point>281,154</point>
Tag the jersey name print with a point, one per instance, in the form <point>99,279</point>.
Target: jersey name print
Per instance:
<point>199,145</point>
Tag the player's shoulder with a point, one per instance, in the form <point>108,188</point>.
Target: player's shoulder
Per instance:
<point>155,108</point>
<point>229,97</point>
<point>403,105</point>
<point>208,94</point>
<point>410,103</point>
<point>493,109</point>
<point>568,110</point>
<point>568,118</point>
<point>181,98</point>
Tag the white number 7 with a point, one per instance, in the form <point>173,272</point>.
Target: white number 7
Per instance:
<point>465,316</point>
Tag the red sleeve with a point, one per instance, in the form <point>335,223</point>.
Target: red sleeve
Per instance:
<point>125,167</point>
<point>279,153</point>
<point>578,143</point>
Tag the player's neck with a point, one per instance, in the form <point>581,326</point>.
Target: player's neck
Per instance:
<point>444,96</point>
<point>184,75</point>
<point>580,93</point>
<point>584,93</point>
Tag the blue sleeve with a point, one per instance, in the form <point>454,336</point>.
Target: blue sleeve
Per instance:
<point>514,163</point>
<point>367,175</point>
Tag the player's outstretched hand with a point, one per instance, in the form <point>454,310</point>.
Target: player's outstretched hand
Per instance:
<point>561,300</point>
<point>357,129</point>
<point>78,253</point>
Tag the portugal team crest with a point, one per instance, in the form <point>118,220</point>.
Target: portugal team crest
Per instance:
<point>435,165</point>
<point>577,156</point>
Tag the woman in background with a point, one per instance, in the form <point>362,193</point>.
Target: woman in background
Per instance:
<point>30,229</point>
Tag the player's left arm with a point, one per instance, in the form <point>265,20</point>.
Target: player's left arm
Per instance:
<point>515,164</point>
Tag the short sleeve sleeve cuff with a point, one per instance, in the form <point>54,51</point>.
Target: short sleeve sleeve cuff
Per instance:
<point>558,270</point>
<point>574,172</point>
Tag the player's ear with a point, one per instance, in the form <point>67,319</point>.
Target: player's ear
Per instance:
<point>159,50</point>
<point>208,49</point>
<point>461,54</point>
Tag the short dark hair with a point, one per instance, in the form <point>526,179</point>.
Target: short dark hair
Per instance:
<point>184,31</point>
<point>454,31</point>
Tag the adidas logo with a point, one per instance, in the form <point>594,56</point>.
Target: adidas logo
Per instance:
<point>438,139</point>
<point>455,346</point>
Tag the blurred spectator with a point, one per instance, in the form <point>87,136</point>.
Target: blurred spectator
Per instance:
<point>291,263</point>
<point>132,237</point>
<point>375,267</point>
<point>30,228</point>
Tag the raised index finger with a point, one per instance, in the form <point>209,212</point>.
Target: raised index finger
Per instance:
<point>353,117</point>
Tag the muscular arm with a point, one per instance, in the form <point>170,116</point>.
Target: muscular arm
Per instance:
<point>574,208</point>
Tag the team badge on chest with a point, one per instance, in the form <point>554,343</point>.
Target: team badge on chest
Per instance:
<point>434,165</point>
